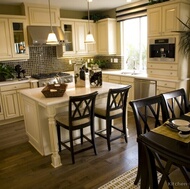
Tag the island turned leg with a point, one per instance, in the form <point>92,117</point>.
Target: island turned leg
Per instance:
<point>55,157</point>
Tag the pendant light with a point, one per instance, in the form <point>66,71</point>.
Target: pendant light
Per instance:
<point>52,39</point>
<point>89,36</point>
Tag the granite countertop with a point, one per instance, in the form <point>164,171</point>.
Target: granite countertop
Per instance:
<point>36,94</point>
<point>136,75</point>
<point>17,81</point>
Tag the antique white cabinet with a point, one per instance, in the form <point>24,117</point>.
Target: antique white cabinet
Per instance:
<point>162,22</point>
<point>11,100</point>
<point>106,32</point>
<point>162,17</point>
<point>38,15</point>
<point>75,31</point>
<point>1,110</point>
<point>14,44</point>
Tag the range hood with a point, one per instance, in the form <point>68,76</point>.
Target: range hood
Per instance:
<point>37,35</point>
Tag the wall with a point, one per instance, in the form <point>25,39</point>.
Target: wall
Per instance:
<point>44,60</point>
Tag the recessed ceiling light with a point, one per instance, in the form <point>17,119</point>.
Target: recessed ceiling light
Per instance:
<point>128,1</point>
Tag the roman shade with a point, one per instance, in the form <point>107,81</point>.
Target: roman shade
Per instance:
<point>133,10</point>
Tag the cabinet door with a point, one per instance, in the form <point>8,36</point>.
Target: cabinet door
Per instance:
<point>80,36</point>
<point>102,38</point>
<point>92,48</point>
<point>69,32</point>
<point>107,36</point>
<point>10,104</point>
<point>1,110</point>
<point>5,46</point>
<point>19,38</point>
<point>40,16</point>
<point>170,15</point>
<point>154,21</point>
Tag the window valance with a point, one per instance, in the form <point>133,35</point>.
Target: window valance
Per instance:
<point>132,10</point>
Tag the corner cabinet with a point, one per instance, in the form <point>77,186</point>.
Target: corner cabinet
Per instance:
<point>106,32</point>
<point>162,17</point>
<point>14,43</point>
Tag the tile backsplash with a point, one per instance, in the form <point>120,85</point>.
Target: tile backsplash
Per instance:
<point>43,59</point>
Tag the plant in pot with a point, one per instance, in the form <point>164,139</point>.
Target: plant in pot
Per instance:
<point>6,72</point>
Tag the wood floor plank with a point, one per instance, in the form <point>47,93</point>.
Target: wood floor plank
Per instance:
<point>22,167</point>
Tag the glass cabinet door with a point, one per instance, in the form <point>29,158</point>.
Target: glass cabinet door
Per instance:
<point>69,35</point>
<point>19,42</point>
<point>18,37</point>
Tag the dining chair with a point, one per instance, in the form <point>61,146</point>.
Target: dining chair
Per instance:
<point>115,107</point>
<point>153,156</point>
<point>79,116</point>
<point>149,113</point>
<point>176,102</point>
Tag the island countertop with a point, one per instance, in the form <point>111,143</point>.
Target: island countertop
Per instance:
<point>71,90</point>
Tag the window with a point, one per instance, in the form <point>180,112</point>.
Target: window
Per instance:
<point>135,44</point>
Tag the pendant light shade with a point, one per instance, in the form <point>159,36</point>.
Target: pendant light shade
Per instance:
<point>52,39</point>
<point>89,37</point>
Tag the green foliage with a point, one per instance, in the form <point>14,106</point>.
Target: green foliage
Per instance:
<point>185,37</point>
<point>156,1</point>
<point>100,63</point>
<point>6,71</point>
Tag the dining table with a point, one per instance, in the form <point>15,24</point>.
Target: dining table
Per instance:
<point>39,115</point>
<point>165,139</point>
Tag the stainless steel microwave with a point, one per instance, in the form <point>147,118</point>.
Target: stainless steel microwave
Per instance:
<point>162,49</point>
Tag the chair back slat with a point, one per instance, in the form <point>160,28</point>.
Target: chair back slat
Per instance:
<point>176,102</point>
<point>148,113</point>
<point>117,99</point>
<point>81,107</point>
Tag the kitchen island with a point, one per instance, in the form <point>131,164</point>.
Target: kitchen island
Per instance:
<point>39,113</point>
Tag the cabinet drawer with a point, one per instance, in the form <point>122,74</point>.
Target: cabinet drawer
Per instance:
<point>166,84</point>
<point>127,79</point>
<point>166,73</point>
<point>114,77</point>
<point>163,66</point>
<point>15,86</point>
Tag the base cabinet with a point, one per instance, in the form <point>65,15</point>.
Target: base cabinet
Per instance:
<point>10,102</point>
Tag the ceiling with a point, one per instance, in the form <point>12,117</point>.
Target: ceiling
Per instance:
<point>80,5</point>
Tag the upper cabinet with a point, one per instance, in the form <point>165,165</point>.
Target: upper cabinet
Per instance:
<point>106,32</point>
<point>39,15</point>
<point>75,32</point>
<point>162,17</point>
<point>13,38</point>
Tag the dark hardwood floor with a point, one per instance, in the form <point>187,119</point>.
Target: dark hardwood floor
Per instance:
<point>22,167</point>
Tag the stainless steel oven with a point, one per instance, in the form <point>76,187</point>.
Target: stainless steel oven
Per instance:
<point>162,49</point>
<point>51,78</point>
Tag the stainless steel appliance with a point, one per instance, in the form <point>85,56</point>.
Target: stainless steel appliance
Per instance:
<point>144,88</point>
<point>162,49</point>
<point>51,78</point>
